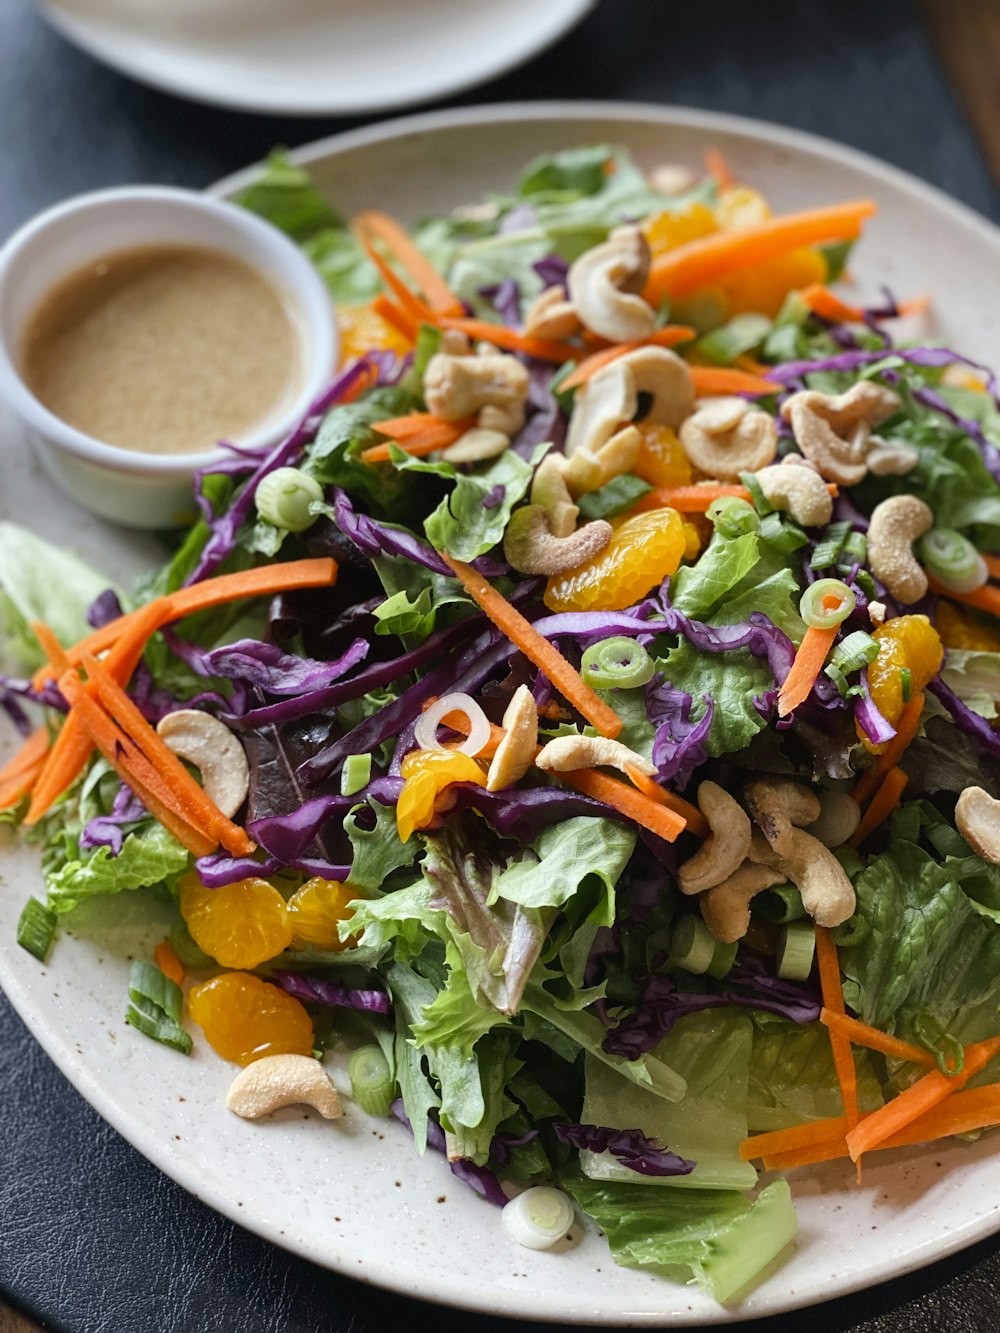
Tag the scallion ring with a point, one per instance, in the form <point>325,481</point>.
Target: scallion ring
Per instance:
<point>732,517</point>
<point>538,1218</point>
<point>826,603</point>
<point>283,498</point>
<point>616,664</point>
<point>953,560</point>
<point>425,732</point>
<point>372,1084</point>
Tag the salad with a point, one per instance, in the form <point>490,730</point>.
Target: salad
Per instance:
<point>583,727</point>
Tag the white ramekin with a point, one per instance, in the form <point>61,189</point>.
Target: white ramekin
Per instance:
<point>148,490</point>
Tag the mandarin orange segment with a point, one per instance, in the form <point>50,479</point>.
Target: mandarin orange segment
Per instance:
<point>426,773</point>
<point>244,1018</point>
<point>741,206</point>
<point>643,551</point>
<point>668,230</point>
<point>315,911</point>
<point>239,925</point>
<point>962,627</point>
<point>905,643</point>
<point>362,329</point>
<point>762,289</point>
<point>661,460</point>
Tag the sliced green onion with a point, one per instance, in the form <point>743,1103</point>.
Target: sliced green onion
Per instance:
<point>855,651</point>
<point>186,950</point>
<point>844,687</point>
<point>862,578</point>
<point>617,663</point>
<point>356,773</point>
<point>829,546</point>
<point>563,373</point>
<point>741,335</point>
<point>786,342</point>
<point>732,517</point>
<point>692,946</point>
<point>906,683</point>
<point>760,501</point>
<point>36,928</point>
<point>852,932</point>
<point>155,1004</point>
<point>948,1052</point>
<point>855,549</point>
<point>539,1218</point>
<point>826,603</point>
<point>783,535</point>
<point>835,256</point>
<point>793,313</point>
<point>617,495</point>
<point>284,496</point>
<point>780,904</point>
<point>952,559</point>
<point>722,960</point>
<point>372,1084</point>
<point>796,950</point>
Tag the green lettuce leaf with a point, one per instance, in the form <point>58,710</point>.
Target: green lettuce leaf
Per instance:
<point>732,679</point>
<point>285,195</point>
<point>792,1076</point>
<point>148,856</point>
<point>697,589</point>
<point>462,525</point>
<point>564,854</point>
<point>377,851</point>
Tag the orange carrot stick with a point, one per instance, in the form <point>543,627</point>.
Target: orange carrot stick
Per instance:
<point>416,423</point>
<point>375,225</point>
<point>711,380</point>
<point>886,800</point>
<point>393,314</point>
<point>833,999</point>
<point>688,499</point>
<point>717,166</point>
<point>710,258</point>
<point>428,442</point>
<point>18,777</point>
<point>50,646</point>
<point>537,649</point>
<point>828,305</point>
<point>860,1034</point>
<point>544,349</point>
<point>986,598</point>
<point>692,816</point>
<point>418,310</point>
<point>808,663</point>
<point>668,336</point>
<point>661,820</point>
<point>906,728</point>
<point>796,1136</point>
<point>915,1101</point>
<point>168,962</point>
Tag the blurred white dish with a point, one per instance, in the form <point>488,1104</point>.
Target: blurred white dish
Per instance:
<point>313,57</point>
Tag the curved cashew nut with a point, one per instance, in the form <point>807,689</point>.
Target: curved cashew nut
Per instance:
<point>476,445</point>
<point>798,490</point>
<point>550,491</point>
<point>493,384</point>
<point>977,815</point>
<point>283,1080</point>
<point>895,525</point>
<point>839,816</point>
<point>890,458</point>
<point>551,315</point>
<point>723,447</point>
<point>604,283</point>
<point>607,399</point>
<point>726,846</point>
<point>567,753</point>
<point>827,893</point>
<point>207,743</point>
<point>776,805</point>
<point>665,379</point>
<point>517,749</point>
<point>586,471</point>
<point>833,430</point>
<point>725,908</point>
<point>530,547</point>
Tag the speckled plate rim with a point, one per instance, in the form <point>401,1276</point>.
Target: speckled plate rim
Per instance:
<point>533,1305</point>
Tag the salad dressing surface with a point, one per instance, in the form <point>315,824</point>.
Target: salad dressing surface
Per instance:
<point>163,349</point>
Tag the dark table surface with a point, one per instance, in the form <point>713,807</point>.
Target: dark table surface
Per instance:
<point>93,1238</point>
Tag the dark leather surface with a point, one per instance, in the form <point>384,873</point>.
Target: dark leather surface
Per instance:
<point>93,1239</point>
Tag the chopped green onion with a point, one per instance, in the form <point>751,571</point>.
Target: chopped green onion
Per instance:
<point>741,335</point>
<point>722,960</point>
<point>948,1052</point>
<point>732,517</point>
<point>36,928</point>
<point>826,603</point>
<point>952,559</point>
<point>539,1218</point>
<point>692,946</point>
<point>844,687</point>
<point>783,535</point>
<point>155,1006</point>
<point>356,773</point>
<point>906,683</point>
<point>613,498</point>
<point>760,500</point>
<point>186,950</point>
<point>563,373</point>
<point>796,950</point>
<point>836,255</point>
<point>862,578</point>
<point>284,496</point>
<point>617,663</point>
<point>829,546</point>
<point>780,904</point>
<point>852,932</point>
<point>794,312</point>
<point>855,549</point>
<point>855,651</point>
<point>785,342</point>
<point>372,1084</point>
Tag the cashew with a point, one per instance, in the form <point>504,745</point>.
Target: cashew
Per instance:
<point>799,490</point>
<point>662,376</point>
<point>723,447</point>
<point>567,753</point>
<point>725,908</point>
<point>877,613</point>
<point>776,804</point>
<point>839,816</point>
<point>895,525</point>
<point>517,749</point>
<point>212,748</point>
<point>551,315</point>
<point>726,846</point>
<point>549,490</point>
<point>977,815</point>
<point>283,1080</point>
<point>455,343</point>
<point>531,548</point>
<point>833,430</point>
<point>604,283</point>
<point>890,458</point>
<point>827,893</point>
<point>494,385</point>
<point>476,445</point>
<point>671,178</point>
<point>586,471</point>
<point>607,399</point>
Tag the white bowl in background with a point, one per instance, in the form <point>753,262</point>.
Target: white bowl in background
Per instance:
<point>149,490</point>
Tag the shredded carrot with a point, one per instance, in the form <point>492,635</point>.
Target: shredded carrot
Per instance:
<point>717,166</point>
<point>426,442</point>
<point>50,646</point>
<point>827,1150</point>
<point>688,499</point>
<point>986,598</point>
<point>752,367</point>
<point>712,380</point>
<point>906,728</point>
<point>168,962</point>
<point>860,1034</point>
<point>460,722</point>
<point>659,819</point>
<point>19,775</point>
<point>710,258</point>
<point>359,385</point>
<point>669,336</point>
<point>263,581</point>
<point>190,799</point>
<point>792,1138</point>
<point>915,1101</point>
<point>692,816</point>
<point>414,423</point>
<point>414,307</point>
<point>808,663</point>
<point>543,349</point>
<point>537,649</point>
<point>396,316</point>
<point>828,305</point>
<point>375,225</point>
<point>884,802</point>
<point>833,1000</point>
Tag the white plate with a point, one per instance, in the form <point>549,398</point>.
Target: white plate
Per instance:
<point>352,1195</point>
<point>314,57</point>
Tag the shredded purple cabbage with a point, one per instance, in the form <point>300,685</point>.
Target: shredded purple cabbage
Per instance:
<point>109,830</point>
<point>965,719</point>
<point>679,744</point>
<point>288,836</point>
<point>219,868</point>
<point>375,538</point>
<point>506,298</point>
<point>314,990</point>
<point>494,497</point>
<point>267,668</point>
<point>479,1178</point>
<point>631,1147</point>
<point>502,1144</point>
<point>103,609</point>
<point>11,705</point>
<point>545,422</point>
<point>552,269</point>
<point>869,717</point>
